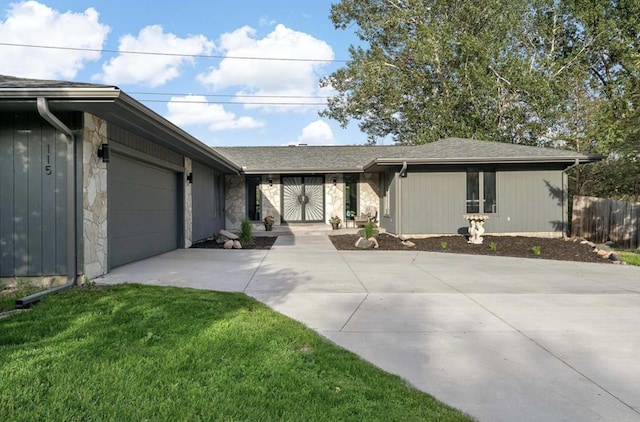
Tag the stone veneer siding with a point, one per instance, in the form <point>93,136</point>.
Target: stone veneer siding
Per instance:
<point>334,197</point>
<point>271,198</point>
<point>94,197</point>
<point>235,207</point>
<point>188,205</point>
<point>369,192</point>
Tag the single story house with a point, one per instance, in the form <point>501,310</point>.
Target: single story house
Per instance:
<point>91,179</point>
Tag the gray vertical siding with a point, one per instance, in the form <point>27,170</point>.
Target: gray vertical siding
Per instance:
<point>33,202</point>
<point>433,202</point>
<point>389,222</point>
<point>528,201</point>
<point>207,219</point>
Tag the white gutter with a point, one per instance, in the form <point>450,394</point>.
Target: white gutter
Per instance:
<point>45,113</point>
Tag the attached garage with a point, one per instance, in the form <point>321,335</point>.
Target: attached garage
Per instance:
<point>143,210</point>
<point>91,179</point>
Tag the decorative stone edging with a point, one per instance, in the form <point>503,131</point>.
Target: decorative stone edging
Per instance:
<point>602,250</point>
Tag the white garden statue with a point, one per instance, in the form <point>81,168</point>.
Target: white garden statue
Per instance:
<point>476,227</point>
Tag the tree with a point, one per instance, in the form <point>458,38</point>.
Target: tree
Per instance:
<point>539,72</point>
<point>432,69</point>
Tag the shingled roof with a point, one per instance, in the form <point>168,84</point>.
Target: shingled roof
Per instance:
<point>337,159</point>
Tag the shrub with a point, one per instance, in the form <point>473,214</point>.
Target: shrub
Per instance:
<point>493,246</point>
<point>246,231</point>
<point>368,229</point>
<point>444,245</point>
<point>536,250</point>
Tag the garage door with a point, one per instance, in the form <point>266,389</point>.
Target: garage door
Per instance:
<point>142,210</point>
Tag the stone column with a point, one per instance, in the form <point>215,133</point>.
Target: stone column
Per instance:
<point>271,198</point>
<point>188,204</point>
<point>235,207</point>
<point>369,192</point>
<point>334,197</point>
<point>94,197</point>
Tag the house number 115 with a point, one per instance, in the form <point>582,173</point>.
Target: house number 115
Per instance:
<point>47,167</point>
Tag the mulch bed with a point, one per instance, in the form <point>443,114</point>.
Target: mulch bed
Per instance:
<point>258,243</point>
<point>515,246</point>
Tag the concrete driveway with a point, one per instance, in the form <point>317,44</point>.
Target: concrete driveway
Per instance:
<point>503,339</point>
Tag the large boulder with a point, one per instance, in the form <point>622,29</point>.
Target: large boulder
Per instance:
<point>228,244</point>
<point>363,243</point>
<point>229,235</point>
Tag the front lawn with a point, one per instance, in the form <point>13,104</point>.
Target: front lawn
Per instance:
<point>132,352</point>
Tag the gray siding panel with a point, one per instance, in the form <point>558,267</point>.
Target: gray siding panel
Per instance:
<point>433,202</point>
<point>389,222</point>
<point>528,201</point>
<point>33,212</point>
<point>6,198</point>
<point>143,210</point>
<point>143,145</point>
<point>204,197</point>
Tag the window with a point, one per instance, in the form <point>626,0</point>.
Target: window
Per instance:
<point>351,194</point>
<point>254,198</point>
<point>481,192</point>
<point>386,185</point>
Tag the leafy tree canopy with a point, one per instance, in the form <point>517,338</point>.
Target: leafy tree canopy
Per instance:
<point>537,72</point>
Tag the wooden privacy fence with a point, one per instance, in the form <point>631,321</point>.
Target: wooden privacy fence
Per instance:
<point>600,220</point>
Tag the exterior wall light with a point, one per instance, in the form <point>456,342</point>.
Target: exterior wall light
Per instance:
<point>103,152</point>
<point>270,182</point>
<point>190,178</point>
<point>335,181</point>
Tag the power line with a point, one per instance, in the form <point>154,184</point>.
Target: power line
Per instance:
<point>270,103</point>
<point>228,95</point>
<point>148,53</point>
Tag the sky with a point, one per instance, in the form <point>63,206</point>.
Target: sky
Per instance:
<point>206,72</point>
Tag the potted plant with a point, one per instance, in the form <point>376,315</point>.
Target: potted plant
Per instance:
<point>335,222</point>
<point>268,223</point>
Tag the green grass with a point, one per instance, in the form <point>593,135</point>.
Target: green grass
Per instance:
<point>9,296</point>
<point>631,258</point>
<point>132,352</point>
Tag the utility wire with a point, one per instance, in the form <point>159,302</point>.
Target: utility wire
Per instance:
<point>228,95</point>
<point>235,102</point>
<point>208,56</point>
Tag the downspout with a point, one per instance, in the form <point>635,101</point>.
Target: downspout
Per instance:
<point>403,174</point>
<point>45,113</point>
<point>565,199</point>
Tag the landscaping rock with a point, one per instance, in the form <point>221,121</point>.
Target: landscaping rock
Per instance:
<point>228,244</point>
<point>229,235</point>
<point>408,243</point>
<point>586,242</point>
<point>603,253</point>
<point>374,241</point>
<point>221,239</point>
<point>237,244</point>
<point>363,243</point>
<point>614,258</point>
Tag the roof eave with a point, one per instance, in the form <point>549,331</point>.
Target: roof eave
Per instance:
<point>583,159</point>
<point>308,170</point>
<point>91,99</point>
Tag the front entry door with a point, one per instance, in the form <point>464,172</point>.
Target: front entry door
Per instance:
<point>303,199</point>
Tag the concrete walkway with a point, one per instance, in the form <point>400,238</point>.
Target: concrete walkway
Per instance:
<point>502,339</point>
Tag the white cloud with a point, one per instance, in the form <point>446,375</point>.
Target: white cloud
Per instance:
<point>317,133</point>
<point>34,23</point>
<point>152,70</point>
<point>194,110</point>
<point>270,77</point>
